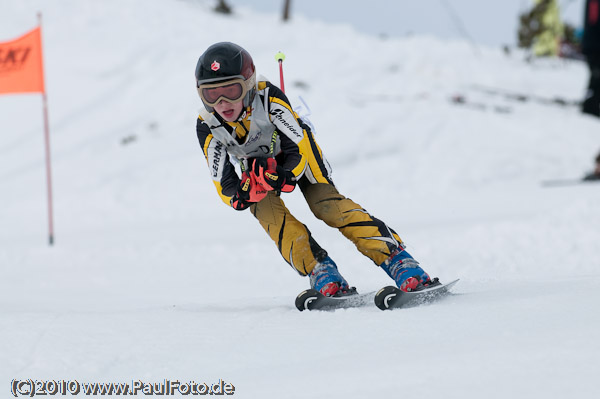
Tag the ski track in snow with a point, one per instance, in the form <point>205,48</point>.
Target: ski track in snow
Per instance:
<point>153,278</point>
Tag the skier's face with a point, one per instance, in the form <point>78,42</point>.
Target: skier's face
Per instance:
<point>228,111</point>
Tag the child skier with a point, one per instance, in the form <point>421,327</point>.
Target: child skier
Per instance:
<point>252,123</point>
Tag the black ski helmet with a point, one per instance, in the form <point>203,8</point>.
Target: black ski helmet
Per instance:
<point>225,61</point>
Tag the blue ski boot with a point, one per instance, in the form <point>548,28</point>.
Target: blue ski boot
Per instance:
<point>326,279</point>
<point>405,271</point>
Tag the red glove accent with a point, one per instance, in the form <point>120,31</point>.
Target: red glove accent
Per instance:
<point>239,204</point>
<point>248,192</point>
<point>257,191</point>
<point>272,176</point>
<point>265,172</point>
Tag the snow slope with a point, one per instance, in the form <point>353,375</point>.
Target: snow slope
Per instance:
<point>153,278</point>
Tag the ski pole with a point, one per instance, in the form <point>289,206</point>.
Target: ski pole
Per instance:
<point>280,57</point>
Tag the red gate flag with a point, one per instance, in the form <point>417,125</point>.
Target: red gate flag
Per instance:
<point>21,68</point>
<point>22,71</point>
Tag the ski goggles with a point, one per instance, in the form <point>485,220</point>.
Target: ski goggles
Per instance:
<point>232,90</point>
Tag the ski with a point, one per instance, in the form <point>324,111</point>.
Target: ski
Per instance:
<point>526,97</point>
<point>460,99</point>
<point>570,182</point>
<point>313,300</point>
<point>392,298</point>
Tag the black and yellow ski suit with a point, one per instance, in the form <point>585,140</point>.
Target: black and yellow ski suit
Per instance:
<point>271,127</point>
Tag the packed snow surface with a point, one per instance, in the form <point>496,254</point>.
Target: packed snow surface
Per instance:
<point>153,278</point>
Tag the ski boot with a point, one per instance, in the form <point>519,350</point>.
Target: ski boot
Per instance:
<point>405,271</point>
<point>326,279</point>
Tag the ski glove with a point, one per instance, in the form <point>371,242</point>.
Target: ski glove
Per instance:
<point>248,192</point>
<point>272,176</point>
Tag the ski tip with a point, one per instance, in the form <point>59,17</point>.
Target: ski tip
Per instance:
<point>451,283</point>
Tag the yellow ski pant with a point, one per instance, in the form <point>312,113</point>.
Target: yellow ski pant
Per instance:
<point>372,237</point>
